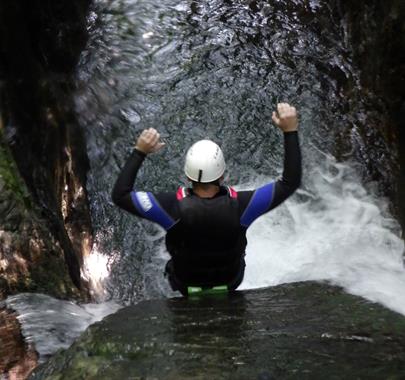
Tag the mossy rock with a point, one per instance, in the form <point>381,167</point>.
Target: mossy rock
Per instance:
<point>10,180</point>
<point>295,331</point>
<point>28,269</point>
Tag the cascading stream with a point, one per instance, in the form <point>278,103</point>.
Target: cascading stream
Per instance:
<point>336,232</point>
<point>216,69</point>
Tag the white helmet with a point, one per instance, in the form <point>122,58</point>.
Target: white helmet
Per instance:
<point>204,162</point>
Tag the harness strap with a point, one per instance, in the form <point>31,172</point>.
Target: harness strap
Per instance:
<point>232,192</point>
<point>181,193</point>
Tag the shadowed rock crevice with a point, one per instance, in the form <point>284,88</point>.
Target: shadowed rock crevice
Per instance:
<point>41,44</point>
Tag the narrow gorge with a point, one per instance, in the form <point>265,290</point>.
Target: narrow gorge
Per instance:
<point>79,80</point>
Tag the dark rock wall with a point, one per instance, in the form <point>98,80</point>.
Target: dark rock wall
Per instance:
<point>40,45</point>
<point>376,33</point>
<point>31,259</point>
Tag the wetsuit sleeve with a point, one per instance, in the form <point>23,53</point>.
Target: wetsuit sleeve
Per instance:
<point>143,204</point>
<point>272,194</point>
<point>121,194</point>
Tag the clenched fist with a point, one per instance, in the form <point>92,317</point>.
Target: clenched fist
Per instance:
<point>286,117</point>
<point>148,141</point>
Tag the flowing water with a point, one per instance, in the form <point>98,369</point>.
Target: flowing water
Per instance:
<point>53,324</point>
<point>216,69</point>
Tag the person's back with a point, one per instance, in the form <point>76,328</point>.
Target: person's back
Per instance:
<point>206,225</point>
<point>208,243</point>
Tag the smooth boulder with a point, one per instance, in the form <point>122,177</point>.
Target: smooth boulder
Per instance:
<point>302,330</point>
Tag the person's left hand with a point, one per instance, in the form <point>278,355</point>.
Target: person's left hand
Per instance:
<point>148,141</point>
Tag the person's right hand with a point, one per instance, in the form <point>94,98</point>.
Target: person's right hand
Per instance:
<point>286,117</point>
<point>148,141</point>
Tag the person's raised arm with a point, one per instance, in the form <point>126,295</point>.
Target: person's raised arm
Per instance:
<point>267,197</point>
<point>147,142</point>
<point>286,119</point>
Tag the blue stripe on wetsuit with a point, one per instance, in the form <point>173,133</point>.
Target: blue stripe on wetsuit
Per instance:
<point>149,208</point>
<point>258,205</point>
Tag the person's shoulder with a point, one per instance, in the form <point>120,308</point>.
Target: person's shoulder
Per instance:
<point>245,195</point>
<point>242,196</point>
<point>164,196</point>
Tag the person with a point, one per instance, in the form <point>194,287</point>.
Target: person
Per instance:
<point>206,224</point>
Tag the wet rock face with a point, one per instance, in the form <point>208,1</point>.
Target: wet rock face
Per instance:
<point>17,358</point>
<point>375,31</point>
<point>44,209</point>
<point>30,256</point>
<point>303,330</point>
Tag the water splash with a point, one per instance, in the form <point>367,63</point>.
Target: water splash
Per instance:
<point>332,230</point>
<point>52,324</point>
<point>95,272</point>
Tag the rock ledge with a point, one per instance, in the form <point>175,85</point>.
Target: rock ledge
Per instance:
<point>301,330</point>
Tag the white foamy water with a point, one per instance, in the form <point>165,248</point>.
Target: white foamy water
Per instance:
<point>335,231</point>
<point>95,271</point>
<point>52,324</point>
<point>332,230</point>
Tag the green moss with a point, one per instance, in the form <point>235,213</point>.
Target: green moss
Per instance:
<point>50,276</point>
<point>10,176</point>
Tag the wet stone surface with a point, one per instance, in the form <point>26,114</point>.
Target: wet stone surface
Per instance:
<point>301,330</point>
<point>17,358</point>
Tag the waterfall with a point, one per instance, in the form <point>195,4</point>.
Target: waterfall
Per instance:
<point>216,69</point>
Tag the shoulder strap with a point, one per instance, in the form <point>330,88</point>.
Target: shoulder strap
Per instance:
<point>181,193</point>
<point>232,192</point>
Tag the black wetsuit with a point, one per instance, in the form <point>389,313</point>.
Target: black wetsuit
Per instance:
<point>206,237</point>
